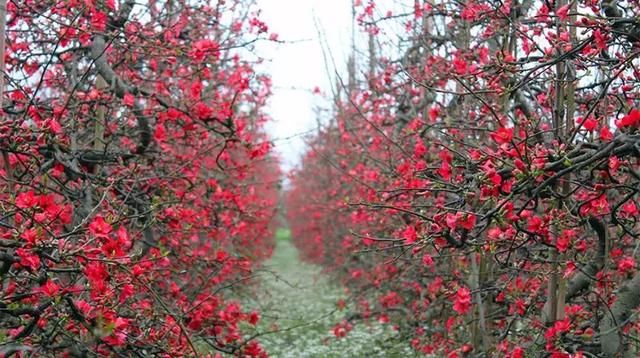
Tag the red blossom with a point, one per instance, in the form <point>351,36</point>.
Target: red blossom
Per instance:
<point>30,235</point>
<point>99,20</point>
<point>121,206</point>
<point>50,289</point>
<point>632,119</point>
<point>201,49</point>
<point>409,234</point>
<point>28,259</point>
<point>129,100</point>
<point>419,150</point>
<point>590,124</point>
<point>563,11</point>
<point>99,227</point>
<point>342,329</point>
<point>600,38</point>
<point>462,300</point>
<point>460,66</point>
<point>202,111</point>
<point>427,260</point>
<point>605,133</point>
<point>502,135</point>
<point>445,171</point>
<point>26,200</point>
<point>626,265</point>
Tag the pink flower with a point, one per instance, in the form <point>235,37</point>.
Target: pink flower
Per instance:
<point>203,48</point>
<point>30,235</point>
<point>254,318</point>
<point>99,20</point>
<point>445,171</point>
<point>128,100</point>
<point>49,289</point>
<point>626,264</point>
<point>590,124</point>
<point>342,328</point>
<point>26,200</point>
<point>564,240</point>
<point>517,352</point>
<point>27,259</point>
<point>629,209</point>
<point>419,150</point>
<point>99,227</point>
<point>427,260</point>
<point>460,66</point>
<point>630,120</point>
<point>502,135</point>
<point>202,111</point>
<point>605,133</point>
<point>467,221</point>
<point>563,12</point>
<point>462,220</point>
<point>462,302</point>
<point>409,234</point>
<point>600,39</point>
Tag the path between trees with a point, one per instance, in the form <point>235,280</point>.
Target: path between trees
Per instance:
<point>300,302</point>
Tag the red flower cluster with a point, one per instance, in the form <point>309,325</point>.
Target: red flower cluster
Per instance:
<point>127,218</point>
<point>632,119</point>
<point>457,166</point>
<point>462,302</point>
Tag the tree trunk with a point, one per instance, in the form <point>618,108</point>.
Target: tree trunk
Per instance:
<point>627,300</point>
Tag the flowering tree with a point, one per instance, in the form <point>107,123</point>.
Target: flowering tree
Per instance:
<point>480,190</point>
<point>137,185</point>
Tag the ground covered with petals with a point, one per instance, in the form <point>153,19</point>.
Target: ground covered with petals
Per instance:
<point>302,304</point>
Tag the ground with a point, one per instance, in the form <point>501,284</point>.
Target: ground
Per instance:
<point>299,301</point>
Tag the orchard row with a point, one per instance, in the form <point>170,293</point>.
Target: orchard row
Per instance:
<point>477,185</point>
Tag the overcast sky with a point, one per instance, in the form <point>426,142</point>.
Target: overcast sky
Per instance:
<point>297,65</point>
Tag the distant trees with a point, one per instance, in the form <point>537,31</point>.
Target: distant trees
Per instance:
<point>479,188</point>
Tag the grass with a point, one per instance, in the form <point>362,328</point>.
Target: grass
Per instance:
<point>298,306</point>
<point>283,234</point>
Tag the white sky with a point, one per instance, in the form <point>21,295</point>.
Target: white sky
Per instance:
<point>297,66</point>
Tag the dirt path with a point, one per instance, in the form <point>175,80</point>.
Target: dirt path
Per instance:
<point>301,302</point>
